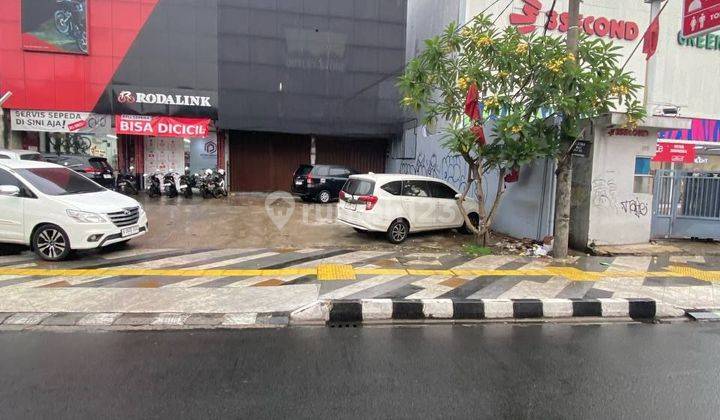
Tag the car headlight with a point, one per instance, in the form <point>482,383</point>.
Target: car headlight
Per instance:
<point>85,217</point>
<point>141,210</point>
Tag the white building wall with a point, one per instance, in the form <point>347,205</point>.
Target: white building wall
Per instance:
<point>683,76</point>
<point>617,214</point>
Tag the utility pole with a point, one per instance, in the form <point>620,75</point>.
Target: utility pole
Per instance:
<point>3,98</point>
<point>563,182</point>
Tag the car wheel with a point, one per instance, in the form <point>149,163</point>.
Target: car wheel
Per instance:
<point>475,219</point>
<point>324,196</point>
<point>51,243</point>
<point>398,231</point>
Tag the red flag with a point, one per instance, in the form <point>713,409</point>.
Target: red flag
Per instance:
<point>513,176</point>
<point>650,40</point>
<point>471,103</point>
<point>479,134</point>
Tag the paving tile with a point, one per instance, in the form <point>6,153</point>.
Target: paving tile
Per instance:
<point>205,319</point>
<point>26,318</point>
<point>170,319</point>
<point>274,320</point>
<point>63,319</point>
<point>99,319</point>
<point>136,319</point>
<point>239,319</point>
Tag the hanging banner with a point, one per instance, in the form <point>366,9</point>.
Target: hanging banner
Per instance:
<point>141,125</point>
<point>675,152</point>
<point>59,121</point>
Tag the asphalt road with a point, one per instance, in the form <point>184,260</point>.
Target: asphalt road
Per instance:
<point>549,371</point>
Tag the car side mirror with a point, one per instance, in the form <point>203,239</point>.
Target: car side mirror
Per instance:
<point>9,190</point>
<point>458,196</point>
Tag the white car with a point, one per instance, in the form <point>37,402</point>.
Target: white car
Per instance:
<point>401,204</point>
<point>55,210</point>
<point>20,155</point>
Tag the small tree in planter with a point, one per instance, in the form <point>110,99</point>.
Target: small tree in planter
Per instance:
<point>536,93</point>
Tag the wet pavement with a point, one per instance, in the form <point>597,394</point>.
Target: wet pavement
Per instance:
<point>238,284</point>
<point>243,221</point>
<point>491,371</point>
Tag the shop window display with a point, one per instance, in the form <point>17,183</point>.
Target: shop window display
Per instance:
<point>82,144</point>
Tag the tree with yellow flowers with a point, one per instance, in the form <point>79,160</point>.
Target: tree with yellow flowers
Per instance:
<point>536,94</point>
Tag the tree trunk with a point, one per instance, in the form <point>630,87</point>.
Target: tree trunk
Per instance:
<point>481,236</point>
<point>564,170</point>
<point>562,206</point>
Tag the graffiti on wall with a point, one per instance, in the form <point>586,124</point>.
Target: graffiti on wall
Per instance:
<point>635,207</point>
<point>605,196</point>
<point>451,169</point>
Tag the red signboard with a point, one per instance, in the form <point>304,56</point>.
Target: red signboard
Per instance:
<point>527,22</point>
<point>700,16</point>
<point>675,152</point>
<point>141,125</point>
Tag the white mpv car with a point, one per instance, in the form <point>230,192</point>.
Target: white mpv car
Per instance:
<point>55,210</point>
<point>400,204</point>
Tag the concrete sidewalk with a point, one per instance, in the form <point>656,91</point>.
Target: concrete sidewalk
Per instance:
<point>232,284</point>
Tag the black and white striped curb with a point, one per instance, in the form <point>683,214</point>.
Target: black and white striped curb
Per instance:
<point>151,320</point>
<point>341,311</point>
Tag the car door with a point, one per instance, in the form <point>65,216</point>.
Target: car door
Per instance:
<point>448,213</point>
<point>419,205</point>
<point>11,211</point>
<point>337,176</point>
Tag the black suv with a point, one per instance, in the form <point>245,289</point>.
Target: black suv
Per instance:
<point>320,182</point>
<point>94,167</point>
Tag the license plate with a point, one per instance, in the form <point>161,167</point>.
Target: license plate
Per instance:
<point>132,230</point>
<point>168,184</point>
<point>107,176</point>
<point>350,206</point>
<point>183,186</point>
<point>298,182</point>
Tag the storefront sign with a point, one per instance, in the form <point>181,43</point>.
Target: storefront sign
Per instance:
<point>603,27</point>
<point>628,132</point>
<point>59,121</point>
<point>162,126</point>
<point>581,148</point>
<point>55,26</point>
<point>700,17</point>
<point>707,42</point>
<point>700,131</point>
<point>675,152</point>
<point>171,102</point>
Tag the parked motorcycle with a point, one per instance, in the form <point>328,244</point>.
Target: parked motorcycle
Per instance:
<point>70,21</point>
<point>126,182</point>
<point>187,183</point>
<point>170,183</point>
<point>220,183</point>
<point>152,184</point>
<point>207,184</point>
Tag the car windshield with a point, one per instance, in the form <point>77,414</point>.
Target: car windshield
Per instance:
<point>32,156</point>
<point>356,186</point>
<point>58,181</point>
<point>303,170</point>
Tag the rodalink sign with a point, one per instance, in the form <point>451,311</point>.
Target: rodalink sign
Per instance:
<point>527,22</point>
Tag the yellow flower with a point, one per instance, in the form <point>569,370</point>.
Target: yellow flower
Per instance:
<point>516,129</point>
<point>407,101</point>
<point>466,32</point>
<point>491,102</point>
<point>503,74</point>
<point>570,57</point>
<point>484,41</point>
<point>522,48</point>
<point>462,83</point>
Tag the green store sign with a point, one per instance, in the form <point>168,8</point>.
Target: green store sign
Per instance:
<point>707,42</point>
